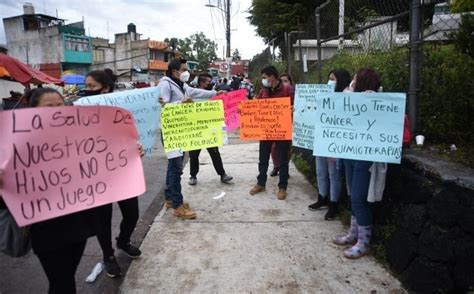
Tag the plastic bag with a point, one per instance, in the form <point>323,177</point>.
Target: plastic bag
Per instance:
<point>14,241</point>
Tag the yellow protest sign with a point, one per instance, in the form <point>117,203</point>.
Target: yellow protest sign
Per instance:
<point>192,126</point>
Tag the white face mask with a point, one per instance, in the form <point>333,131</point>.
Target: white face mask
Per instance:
<point>332,83</point>
<point>266,83</point>
<point>184,76</point>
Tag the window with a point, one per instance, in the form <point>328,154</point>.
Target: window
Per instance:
<point>76,44</point>
<point>98,55</point>
<point>157,55</point>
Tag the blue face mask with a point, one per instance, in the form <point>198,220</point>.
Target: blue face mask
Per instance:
<point>332,83</point>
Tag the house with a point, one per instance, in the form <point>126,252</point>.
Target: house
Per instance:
<point>47,43</point>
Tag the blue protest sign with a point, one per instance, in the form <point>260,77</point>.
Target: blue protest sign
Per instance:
<point>362,126</point>
<point>304,113</point>
<point>142,103</point>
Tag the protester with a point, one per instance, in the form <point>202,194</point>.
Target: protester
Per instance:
<point>224,86</point>
<point>286,80</point>
<point>359,178</point>
<point>272,87</point>
<point>327,175</point>
<point>205,82</point>
<point>235,84</point>
<point>173,89</point>
<point>247,85</point>
<point>100,82</point>
<point>59,243</point>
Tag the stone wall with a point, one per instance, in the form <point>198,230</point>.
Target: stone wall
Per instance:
<point>429,204</point>
<point>424,227</point>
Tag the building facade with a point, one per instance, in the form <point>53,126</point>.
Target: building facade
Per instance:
<point>47,43</point>
<point>130,57</point>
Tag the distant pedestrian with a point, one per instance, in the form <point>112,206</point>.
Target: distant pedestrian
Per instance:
<point>248,86</point>
<point>224,86</point>
<point>327,175</point>
<point>173,89</point>
<point>272,87</point>
<point>205,82</point>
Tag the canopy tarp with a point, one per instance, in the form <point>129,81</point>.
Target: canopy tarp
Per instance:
<point>25,74</point>
<point>74,79</point>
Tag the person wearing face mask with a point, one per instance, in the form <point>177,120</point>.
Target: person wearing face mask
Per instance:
<point>173,89</point>
<point>327,174</point>
<point>273,88</point>
<point>205,82</point>
<point>100,82</point>
<point>286,80</point>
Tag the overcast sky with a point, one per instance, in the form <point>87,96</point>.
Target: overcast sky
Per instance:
<point>156,19</point>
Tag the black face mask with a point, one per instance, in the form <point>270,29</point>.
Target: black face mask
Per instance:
<point>209,87</point>
<point>84,93</point>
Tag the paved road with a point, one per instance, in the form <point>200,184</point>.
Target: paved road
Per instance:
<point>25,275</point>
<point>249,244</point>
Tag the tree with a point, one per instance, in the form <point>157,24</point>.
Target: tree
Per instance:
<point>196,47</point>
<point>236,55</point>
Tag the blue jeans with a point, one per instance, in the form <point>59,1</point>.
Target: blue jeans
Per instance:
<point>173,181</point>
<point>264,151</point>
<point>328,178</point>
<point>358,177</point>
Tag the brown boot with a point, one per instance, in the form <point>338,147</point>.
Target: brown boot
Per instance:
<point>281,194</point>
<point>169,204</point>
<point>257,189</point>
<point>184,213</point>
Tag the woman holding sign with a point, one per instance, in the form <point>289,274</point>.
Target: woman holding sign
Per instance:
<point>358,177</point>
<point>100,82</point>
<point>60,242</point>
<point>327,175</point>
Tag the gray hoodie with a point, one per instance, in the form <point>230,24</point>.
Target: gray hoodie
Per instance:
<point>171,92</point>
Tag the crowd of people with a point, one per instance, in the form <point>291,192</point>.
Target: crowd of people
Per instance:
<point>59,243</point>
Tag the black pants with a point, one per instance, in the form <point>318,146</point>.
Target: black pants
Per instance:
<point>60,266</point>
<point>215,157</point>
<point>130,215</point>
<point>264,151</point>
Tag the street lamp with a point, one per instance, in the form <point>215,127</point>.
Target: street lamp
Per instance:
<point>227,20</point>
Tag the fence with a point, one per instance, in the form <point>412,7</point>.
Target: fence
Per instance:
<point>358,27</point>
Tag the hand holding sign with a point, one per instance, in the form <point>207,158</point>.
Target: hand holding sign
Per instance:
<point>62,160</point>
<point>231,107</point>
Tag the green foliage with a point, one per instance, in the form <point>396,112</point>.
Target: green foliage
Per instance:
<point>463,38</point>
<point>196,47</point>
<point>462,5</point>
<point>446,100</point>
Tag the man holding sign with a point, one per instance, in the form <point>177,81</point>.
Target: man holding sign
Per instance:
<point>173,89</point>
<point>273,88</point>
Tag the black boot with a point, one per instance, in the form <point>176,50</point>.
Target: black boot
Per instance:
<point>321,202</point>
<point>332,211</point>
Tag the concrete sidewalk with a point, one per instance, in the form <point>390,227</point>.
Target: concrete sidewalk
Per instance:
<point>249,244</point>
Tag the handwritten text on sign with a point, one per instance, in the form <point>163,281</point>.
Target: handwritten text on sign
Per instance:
<point>363,126</point>
<point>60,160</point>
<point>265,119</point>
<point>142,103</point>
<point>192,126</point>
<point>231,107</point>
<point>304,114</point>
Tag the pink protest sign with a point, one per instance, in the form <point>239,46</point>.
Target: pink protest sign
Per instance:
<point>60,160</point>
<point>231,107</point>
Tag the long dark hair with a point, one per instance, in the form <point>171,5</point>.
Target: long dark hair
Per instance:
<point>343,79</point>
<point>103,78</point>
<point>34,96</point>
<point>367,79</point>
<point>290,79</point>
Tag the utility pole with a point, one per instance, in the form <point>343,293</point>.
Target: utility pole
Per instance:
<point>415,41</point>
<point>341,24</point>
<point>319,63</point>
<point>227,33</point>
